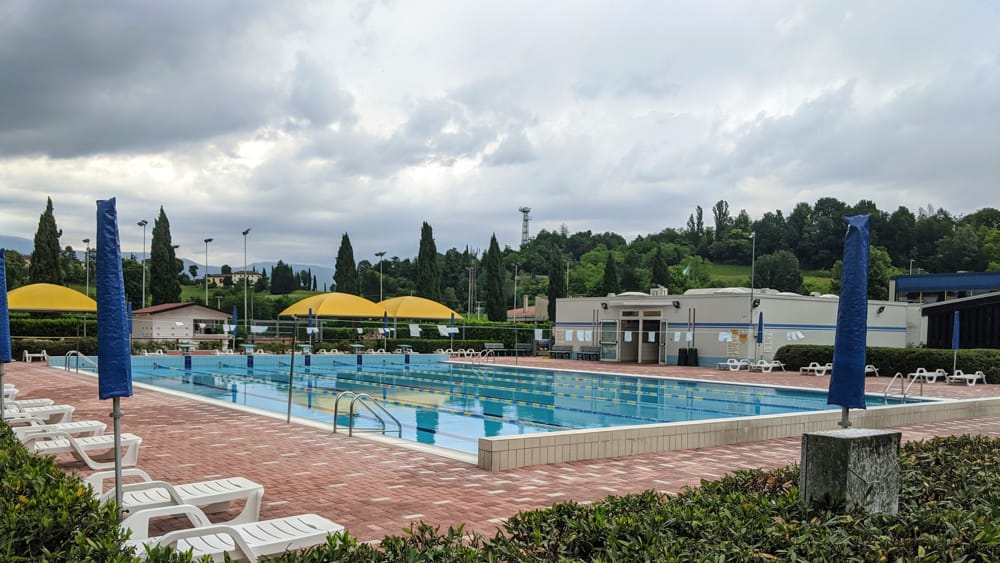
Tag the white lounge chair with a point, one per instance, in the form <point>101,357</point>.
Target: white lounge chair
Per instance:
<point>967,378</point>
<point>50,414</point>
<point>25,427</point>
<point>869,369</point>
<point>28,356</point>
<point>57,442</point>
<point>23,403</point>
<point>815,368</point>
<point>767,366</point>
<point>241,542</point>
<point>928,376</point>
<point>732,364</point>
<point>211,496</point>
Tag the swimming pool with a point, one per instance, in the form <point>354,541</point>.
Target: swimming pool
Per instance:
<point>453,405</point>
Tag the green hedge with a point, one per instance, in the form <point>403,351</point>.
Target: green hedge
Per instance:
<point>61,327</point>
<point>949,510</point>
<point>59,347</point>
<point>47,515</point>
<point>902,360</point>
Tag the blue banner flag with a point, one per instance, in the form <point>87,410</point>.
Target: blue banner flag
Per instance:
<point>847,382</point>
<point>114,358</point>
<point>955,333</point>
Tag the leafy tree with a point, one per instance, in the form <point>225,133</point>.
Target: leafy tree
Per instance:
<point>987,217</point>
<point>193,270</point>
<point>928,230</point>
<point>71,266</point>
<point>779,271</point>
<point>898,238</point>
<point>132,277</point>
<point>769,231</point>
<point>880,271</point>
<point>693,272</point>
<point>611,282</point>
<point>720,214</point>
<point>428,276</point>
<point>282,279</point>
<point>164,286</point>
<point>44,267</point>
<point>17,269</point>
<point>496,309</point>
<point>961,250</point>
<point>345,276</point>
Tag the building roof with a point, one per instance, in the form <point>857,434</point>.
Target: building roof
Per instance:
<point>166,307</point>
<point>962,281</point>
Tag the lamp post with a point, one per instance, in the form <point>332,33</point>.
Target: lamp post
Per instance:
<point>515,292</point>
<point>246,316</point>
<point>381,255</point>
<point>142,301</point>
<point>86,263</point>
<point>911,266</point>
<point>208,240</point>
<point>753,251</point>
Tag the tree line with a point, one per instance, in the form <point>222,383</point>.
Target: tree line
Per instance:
<point>557,263</point>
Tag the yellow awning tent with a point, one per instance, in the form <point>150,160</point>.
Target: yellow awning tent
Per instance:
<point>49,298</point>
<point>333,305</point>
<point>413,307</point>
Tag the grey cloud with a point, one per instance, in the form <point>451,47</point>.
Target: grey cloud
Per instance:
<point>316,95</point>
<point>514,149</point>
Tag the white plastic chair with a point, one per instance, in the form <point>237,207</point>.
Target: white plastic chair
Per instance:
<point>59,442</point>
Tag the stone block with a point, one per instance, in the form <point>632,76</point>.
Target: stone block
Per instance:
<point>858,465</point>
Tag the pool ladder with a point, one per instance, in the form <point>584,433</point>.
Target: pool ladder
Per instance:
<point>375,408</point>
<point>77,355</point>
<point>904,388</point>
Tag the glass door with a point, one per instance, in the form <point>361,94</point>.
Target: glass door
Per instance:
<point>609,341</point>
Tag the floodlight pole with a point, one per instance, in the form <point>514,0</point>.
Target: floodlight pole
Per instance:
<point>381,258</point>
<point>208,240</point>
<point>86,263</point>
<point>246,316</point>
<point>142,300</point>
<point>753,251</point>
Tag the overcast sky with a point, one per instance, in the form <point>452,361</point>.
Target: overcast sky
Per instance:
<point>304,121</point>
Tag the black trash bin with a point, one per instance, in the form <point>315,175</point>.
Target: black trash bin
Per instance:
<point>682,356</point>
<point>692,357</point>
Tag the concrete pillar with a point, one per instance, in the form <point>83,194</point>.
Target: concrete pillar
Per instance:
<point>858,465</point>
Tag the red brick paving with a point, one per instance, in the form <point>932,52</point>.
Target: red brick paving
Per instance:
<point>375,488</point>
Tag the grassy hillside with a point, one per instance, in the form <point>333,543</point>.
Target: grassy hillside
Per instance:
<point>739,276</point>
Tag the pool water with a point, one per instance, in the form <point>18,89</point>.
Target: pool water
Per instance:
<point>453,405</point>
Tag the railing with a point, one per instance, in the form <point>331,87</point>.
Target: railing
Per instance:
<point>485,354</point>
<point>364,400</point>
<point>904,387</point>
<point>77,355</point>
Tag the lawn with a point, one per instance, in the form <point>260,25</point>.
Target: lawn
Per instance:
<point>737,276</point>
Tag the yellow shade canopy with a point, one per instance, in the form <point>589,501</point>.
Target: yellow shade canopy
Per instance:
<point>333,305</point>
<point>48,298</point>
<point>413,307</point>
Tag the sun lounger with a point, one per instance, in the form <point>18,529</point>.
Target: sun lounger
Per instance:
<point>928,376</point>
<point>210,496</point>
<point>28,356</point>
<point>732,364</point>
<point>51,414</point>
<point>25,427</point>
<point>766,366</point>
<point>815,368</point>
<point>870,369</point>
<point>54,443</point>
<point>23,403</point>
<point>967,378</point>
<point>241,542</point>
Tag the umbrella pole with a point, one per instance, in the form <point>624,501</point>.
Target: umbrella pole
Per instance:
<point>116,417</point>
<point>1,391</point>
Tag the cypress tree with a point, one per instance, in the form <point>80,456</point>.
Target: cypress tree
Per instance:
<point>611,280</point>
<point>164,281</point>
<point>44,266</point>
<point>496,309</point>
<point>428,276</point>
<point>345,275</point>
<point>661,273</point>
<point>557,283</point>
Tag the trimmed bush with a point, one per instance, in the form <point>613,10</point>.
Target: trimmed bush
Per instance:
<point>902,360</point>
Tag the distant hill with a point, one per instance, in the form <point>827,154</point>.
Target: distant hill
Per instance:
<point>324,275</point>
<point>22,245</point>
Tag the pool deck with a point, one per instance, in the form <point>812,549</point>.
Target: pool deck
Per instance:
<point>376,488</point>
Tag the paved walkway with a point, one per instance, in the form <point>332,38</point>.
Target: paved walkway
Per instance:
<point>374,488</point>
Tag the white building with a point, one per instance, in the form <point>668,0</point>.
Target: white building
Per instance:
<point>718,324</point>
<point>188,322</point>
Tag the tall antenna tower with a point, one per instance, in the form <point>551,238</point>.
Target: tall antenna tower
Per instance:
<point>524,225</point>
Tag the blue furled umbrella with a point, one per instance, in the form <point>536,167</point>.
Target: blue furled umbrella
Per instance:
<point>385,327</point>
<point>954,343</point>
<point>309,325</point>
<point>4,324</point>
<point>847,382</point>
<point>235,325</point>
<point>760,331</point>
<point>114,360</point>
<point>451,331</point>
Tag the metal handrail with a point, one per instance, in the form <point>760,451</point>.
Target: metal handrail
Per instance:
<point>904,390</point>
<point>365,400</point>
<point>77,354</point>
<point>483,354</point>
